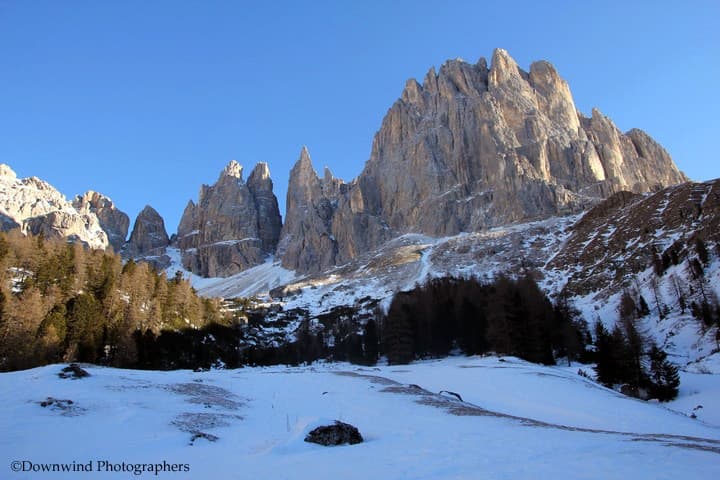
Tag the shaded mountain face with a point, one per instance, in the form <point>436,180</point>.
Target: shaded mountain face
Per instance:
<point>235,225</point>
<point>149,237</point>
<point>627,234</point>
<point>472,147</point>
<point>326,223</point>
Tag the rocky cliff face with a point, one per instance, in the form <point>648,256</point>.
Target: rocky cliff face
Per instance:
<point>113,221</point>
<point>38,208</point>
<point>149,237</point>
<point>234,225</point>
<point>470,148</point>
<point>268,214</point>
<point>325,222</point>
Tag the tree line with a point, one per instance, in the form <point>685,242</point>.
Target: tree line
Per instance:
<point>506,316</point>
<point>62,302</point>
<point>514,317</point>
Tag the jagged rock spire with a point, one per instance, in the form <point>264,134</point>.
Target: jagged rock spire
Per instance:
<point>148,236</point>
<point>233,169</point>
<point>234,225</point>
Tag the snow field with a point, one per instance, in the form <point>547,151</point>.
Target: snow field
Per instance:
<point>261,416</point>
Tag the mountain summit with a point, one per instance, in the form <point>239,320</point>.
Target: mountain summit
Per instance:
<point>234,225</point>
<point>474,147</point>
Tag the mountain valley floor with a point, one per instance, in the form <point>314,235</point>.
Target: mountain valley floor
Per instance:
<point>516,420</point>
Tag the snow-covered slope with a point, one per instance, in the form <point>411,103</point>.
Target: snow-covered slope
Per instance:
<point>591,258</point>
<point>253,281</point>
<point>517,421</point>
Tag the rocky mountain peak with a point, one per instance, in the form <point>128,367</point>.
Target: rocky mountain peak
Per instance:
<point>469,148</point>
<point>268,213</point>
<point>7,173</point>
<point>148,237</point>
<point>234,225</point>
<point>306,241</point>
<point>503,68</point>
<point>412,93</point>
<point>304,163</point>
<point>112,220</point>
<point>36,207</point>
<point>233,170</point>
<point>260,174</point>
<point>304,182</point>
<point>327,175</point>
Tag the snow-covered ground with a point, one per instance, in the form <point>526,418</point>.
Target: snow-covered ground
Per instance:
<point>258,280</point>
<point>517,420</point>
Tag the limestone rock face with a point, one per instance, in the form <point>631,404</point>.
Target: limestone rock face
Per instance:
<point>62,224</point>
<point>148,237</point>
<point>234,225</point>
<point>325,222</point>
<point>471,147</point>
<point>36,207</point>
<point>268,212</point>
<point>496,146</point>
<point>306,243</point>
<point>113,221</point>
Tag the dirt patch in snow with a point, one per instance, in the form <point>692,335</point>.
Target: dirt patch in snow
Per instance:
<point>209,396</point>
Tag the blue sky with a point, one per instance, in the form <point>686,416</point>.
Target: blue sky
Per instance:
<point>145,100</point>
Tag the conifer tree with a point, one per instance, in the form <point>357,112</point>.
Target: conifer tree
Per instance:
<point>370,342</point>
<point>664,377</point>
<point>398,338</point>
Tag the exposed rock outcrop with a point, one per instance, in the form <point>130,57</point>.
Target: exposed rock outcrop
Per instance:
<point>36,207</point>
<point>339,433</point>
<point>149,237</point>
<point>307,243</point>
<point>266,204</point>
<point>325,224</point>
<point>234,226</point>
<point>113,221</point>
<point>471,147</point>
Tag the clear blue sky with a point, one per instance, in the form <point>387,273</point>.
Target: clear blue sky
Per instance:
<point>146,100</point>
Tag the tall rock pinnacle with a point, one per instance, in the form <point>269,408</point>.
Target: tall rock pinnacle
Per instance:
<point>148,237</point>
<point>306,241</point>
<point>325,223</point>
<point>268,212</point>
<point>234,225</point>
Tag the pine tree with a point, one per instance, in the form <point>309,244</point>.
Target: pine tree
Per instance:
<point>612,356</point>
<point>664,377</point>
<point>605,365</point>
<point>701,250</point>
<point>398,338</point>
<point>634,349</point>
<point>370,342</point>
